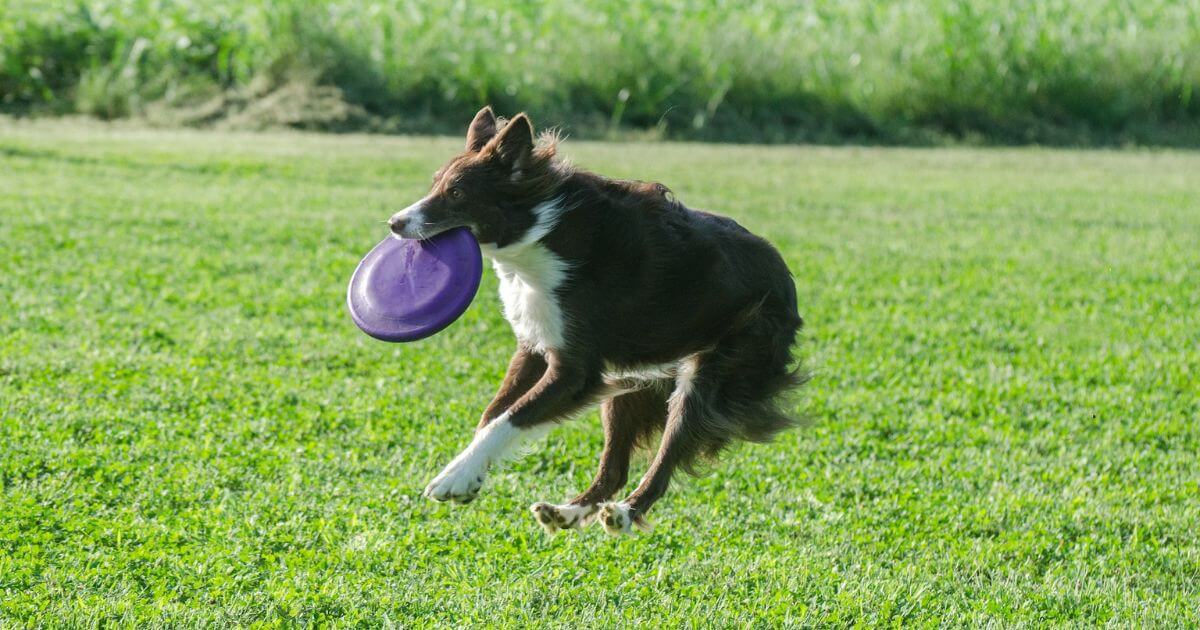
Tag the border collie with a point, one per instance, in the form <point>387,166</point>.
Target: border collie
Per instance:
<point>678,322</point>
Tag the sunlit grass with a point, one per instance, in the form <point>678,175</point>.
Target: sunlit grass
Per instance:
<point>1006,349</point>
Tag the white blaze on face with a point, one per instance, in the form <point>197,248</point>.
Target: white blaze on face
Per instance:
<point>414,220</point>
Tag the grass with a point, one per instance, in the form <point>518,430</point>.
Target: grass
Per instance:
<point>1003,420</point>
<point>1059,71</point>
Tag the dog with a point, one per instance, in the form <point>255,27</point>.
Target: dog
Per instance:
<point>678,322</point>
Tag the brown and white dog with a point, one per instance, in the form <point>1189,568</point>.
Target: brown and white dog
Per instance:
<point>678,322</point>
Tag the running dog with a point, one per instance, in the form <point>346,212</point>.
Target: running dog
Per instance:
<point>678,322</point>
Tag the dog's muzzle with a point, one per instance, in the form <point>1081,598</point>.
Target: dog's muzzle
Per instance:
<point>410,222</point>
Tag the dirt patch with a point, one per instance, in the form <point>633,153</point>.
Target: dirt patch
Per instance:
<point>293,105</point>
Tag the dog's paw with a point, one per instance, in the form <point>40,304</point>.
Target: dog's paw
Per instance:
<point>459,481</point>
<point>618,519</point>
<point>555,517</point>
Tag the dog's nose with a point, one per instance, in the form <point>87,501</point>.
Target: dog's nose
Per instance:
<point>408,222</point>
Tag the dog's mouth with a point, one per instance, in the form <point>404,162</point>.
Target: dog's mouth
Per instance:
<point>419,231</point>
<point>413,222</point>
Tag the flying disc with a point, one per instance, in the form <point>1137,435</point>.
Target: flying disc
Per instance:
<point>405,290</point>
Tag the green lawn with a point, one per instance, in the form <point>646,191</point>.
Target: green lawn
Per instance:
<point>1004,415</point>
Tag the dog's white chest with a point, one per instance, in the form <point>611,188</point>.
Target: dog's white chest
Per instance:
<point>529,276</point>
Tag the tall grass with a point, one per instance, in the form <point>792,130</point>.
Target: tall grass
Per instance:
<point>1026,70</point>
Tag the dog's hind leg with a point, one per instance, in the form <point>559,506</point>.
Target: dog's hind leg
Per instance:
<point>626,418</point>
<point>733,391</point>
<point>683,439</point>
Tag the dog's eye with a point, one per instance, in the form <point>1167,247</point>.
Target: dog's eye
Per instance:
<point>455,193</point>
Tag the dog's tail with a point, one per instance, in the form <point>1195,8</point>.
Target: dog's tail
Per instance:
<point>765,370</point>
<point>747,378</point>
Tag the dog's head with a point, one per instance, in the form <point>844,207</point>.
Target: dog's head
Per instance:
<point>491,188</point>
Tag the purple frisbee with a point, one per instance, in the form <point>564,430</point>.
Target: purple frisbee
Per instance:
<point>405,290</point>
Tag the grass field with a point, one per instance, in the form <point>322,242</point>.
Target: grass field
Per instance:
<point>1061,71</point>
<point>1006,347</point>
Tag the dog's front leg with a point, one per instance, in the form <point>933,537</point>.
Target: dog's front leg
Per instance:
<point>525,369</point>
<point>563,389</point>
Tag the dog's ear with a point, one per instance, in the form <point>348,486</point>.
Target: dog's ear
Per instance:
<point>513,146</point>
<point>482,129</point>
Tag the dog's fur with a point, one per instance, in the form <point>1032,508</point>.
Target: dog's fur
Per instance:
<point>679,322</point>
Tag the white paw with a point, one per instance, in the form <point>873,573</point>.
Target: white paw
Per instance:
<point>459,481</point>
<point>555,517</point>
<point>617,519</point>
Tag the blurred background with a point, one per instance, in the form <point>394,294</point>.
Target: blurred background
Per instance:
<point>1088,72</point>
